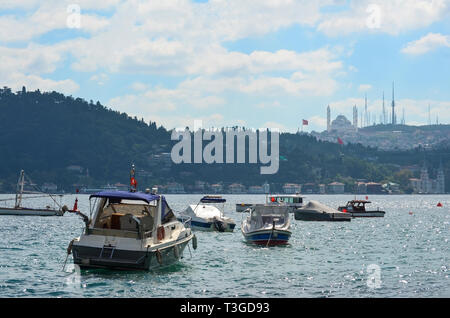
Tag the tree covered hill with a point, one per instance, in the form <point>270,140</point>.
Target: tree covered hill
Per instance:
<point>44,133</point>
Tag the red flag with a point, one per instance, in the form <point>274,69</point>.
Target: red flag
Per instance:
<point>305,122</point>
<point>340,141</point>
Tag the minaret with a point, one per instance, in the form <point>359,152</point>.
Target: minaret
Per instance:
<point>366,119</point>
<point>328,118</point>
<point>394,120</point>
<point>384,112</point>
<point>424,179</point>
<point>355,117</point>
<point>429,115</point>
<point>440,180</point>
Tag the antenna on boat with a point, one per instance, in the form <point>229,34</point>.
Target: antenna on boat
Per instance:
<point>133,182</point>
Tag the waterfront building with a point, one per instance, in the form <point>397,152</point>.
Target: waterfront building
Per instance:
<point>336,188</point>
<point>292,188</point>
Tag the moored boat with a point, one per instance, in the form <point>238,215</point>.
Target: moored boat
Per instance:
<point>316,211</point>
<point>131,231</point>
<point>293,201</point>
<point>19,209</point>
<point>357,208</point>
<point>267,225</point>
<point>208,215</point>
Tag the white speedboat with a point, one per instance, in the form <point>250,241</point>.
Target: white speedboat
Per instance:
<point>293,201</point>
<point>207,216</point>
<point>19,209</point>
<point>267,225</point>
<point>131,231</point>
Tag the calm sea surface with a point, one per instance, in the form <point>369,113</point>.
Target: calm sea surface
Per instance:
<point>324,259</point>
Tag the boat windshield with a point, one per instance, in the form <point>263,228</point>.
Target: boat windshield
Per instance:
<point>129,216</point>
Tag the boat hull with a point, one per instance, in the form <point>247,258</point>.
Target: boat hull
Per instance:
<point>211,226</point>
<point>305,215</point>
<point>267,237</point>
<point>205,225</point>
<point>30,212</point>
<point>88,257</point>
<point>368,214</point>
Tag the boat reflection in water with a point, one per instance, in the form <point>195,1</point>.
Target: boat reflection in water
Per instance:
<point>131,231</point>
<point>267,225</point>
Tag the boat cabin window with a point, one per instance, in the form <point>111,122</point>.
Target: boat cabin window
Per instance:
<point>289,199</point>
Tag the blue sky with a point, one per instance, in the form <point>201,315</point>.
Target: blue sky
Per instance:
<point>253,63</point>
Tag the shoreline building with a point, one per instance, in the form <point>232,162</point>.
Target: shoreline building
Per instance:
<point>426,185</point>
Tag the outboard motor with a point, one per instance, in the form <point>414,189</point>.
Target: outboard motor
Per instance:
<point>219,225</point>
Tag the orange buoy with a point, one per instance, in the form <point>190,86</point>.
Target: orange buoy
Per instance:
<point>439,204</point>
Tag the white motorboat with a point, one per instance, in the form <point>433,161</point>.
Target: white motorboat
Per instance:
<point>131,231</point>
<point>293,201</point>
<point>207,215</point>
<point>18,209</point>
<point>267,225</point>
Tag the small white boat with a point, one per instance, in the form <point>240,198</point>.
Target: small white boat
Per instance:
<point>130,231</point>
<point>267,225</point>
<point>207,216</point>
<point>293,201</point>
<point>18,209</point>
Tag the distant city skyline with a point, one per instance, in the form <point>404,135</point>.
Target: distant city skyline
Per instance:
<point>252,63</point>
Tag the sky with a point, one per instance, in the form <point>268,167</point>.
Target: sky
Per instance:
<point>252,63</point>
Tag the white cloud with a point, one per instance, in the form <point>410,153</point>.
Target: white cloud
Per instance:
<point>429,42</point>
<point>364,87</point>
<point>392,17</point>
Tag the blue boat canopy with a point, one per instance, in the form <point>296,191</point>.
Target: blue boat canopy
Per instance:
<point>125,195</point>
<point>118,196</point>
<point>212,199</point>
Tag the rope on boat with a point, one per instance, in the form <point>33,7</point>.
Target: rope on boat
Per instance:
<point>69,251</point>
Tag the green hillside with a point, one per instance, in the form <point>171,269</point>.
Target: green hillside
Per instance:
<point>45,133</point>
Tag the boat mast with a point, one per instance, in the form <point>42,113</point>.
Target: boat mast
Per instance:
<point>19,189</point>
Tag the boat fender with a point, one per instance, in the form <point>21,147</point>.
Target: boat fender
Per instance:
<point>161,233</point>
<point>158,257</point>
<point>176,251</point>
<point>69,248</point>
<point>194,242</point>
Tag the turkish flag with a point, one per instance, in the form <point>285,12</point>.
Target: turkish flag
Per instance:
<point>340,141</point>
<point>133,182</point>
<point>305,122</point>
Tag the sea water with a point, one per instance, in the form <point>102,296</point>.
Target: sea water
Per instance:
<point>404,254</point>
